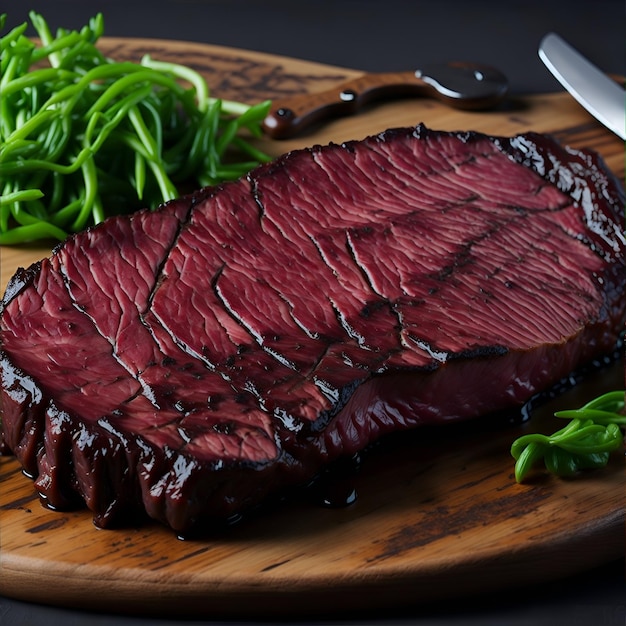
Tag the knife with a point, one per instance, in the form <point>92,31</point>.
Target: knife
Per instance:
<point>593,89</point>
<point>462,85</point>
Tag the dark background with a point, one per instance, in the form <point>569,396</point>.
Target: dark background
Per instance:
<point>381,35</point>
<point>372,35</point>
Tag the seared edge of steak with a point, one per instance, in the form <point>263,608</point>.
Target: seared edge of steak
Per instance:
<point>67,454</point>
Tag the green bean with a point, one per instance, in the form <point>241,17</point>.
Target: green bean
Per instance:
<point>156,126</point>
<point>41,26</point>
<point>56,196</point>
<point>33,79</point>
<point>24,217</point>
<point>34,123</point>
<point>70,40</point>
<point>143,133</point>
<point>21,166</point>
<point>32,232</point>
<point>599,416</point>
<point>526,458</point>
<point>97,211</point>
<point>140,174</point>
<point>185,73</point>
<point>10,67</point>
<point>90,179</point>
<point>64,217</point>
<point>24,195</point>
<point>13,36</point>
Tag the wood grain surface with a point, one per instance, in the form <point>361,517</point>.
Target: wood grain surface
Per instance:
<point>438,514</point>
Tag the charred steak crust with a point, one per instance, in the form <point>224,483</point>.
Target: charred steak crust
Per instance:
<point>188,362</point>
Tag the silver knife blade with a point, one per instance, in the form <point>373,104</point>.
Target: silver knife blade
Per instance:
<point>593,89</point>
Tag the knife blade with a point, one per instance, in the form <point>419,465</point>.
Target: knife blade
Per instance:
<point>461,85</point>
<point>592,88</point>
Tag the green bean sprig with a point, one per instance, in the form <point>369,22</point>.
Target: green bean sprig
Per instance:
<point>83,137</point>
<point>585,443</point>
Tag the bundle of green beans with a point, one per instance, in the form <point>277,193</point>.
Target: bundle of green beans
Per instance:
<point>83,137</point>
<point>594,431</point>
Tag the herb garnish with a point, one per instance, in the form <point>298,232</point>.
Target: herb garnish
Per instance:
<point>585,443</point>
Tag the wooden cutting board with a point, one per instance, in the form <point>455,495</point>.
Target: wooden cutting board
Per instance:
<point>438,513</point>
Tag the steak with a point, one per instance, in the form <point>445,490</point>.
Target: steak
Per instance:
<point>190,362</point>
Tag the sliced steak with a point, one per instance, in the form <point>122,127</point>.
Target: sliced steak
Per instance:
<point>189,362</point>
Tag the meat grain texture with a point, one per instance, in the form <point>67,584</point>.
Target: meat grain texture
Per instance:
<point>189,362</point>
